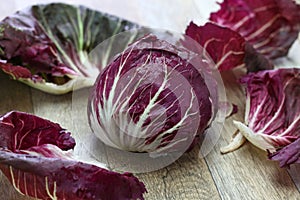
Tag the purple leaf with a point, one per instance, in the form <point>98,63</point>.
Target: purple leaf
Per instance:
<point>272,119</point>
<point>18,72</point>
<point>36,157</point>
<point>224,46</point>
<point>288,155</point>
<point>52,42</point>
<point>21,131</point>
<point>270,26</point>
<point>227,48</point>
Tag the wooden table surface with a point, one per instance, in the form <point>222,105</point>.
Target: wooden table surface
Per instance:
<point>243,174</point>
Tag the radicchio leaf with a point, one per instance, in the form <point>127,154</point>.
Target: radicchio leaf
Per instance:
<point>272,119</point>
<point>227,48</point>
<point>270,26</point>
<point>224,46</point>
<point>288,155</point>
<point>52,42</point>
<point>35,156</point>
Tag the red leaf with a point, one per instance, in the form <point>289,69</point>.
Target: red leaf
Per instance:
<point>16,72</point>
<point>225,47</point>
<point>288,155</point>
<point>34,157</point>
<point>270,26</point>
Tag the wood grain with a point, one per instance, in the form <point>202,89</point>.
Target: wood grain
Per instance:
<point>294,173</point>
<point>14,95</point>
<point>187,178</point>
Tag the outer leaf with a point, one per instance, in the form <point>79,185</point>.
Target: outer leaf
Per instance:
<point>20,131</point>
<point>227,48</point>
<point>287,155</point>
<point>272,109</point>
<point>35,156</point>
<point>270,26</point>
<point>53,42</point>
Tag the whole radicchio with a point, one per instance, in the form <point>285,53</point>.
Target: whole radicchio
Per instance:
<point>36,157</point>
<point>151,98</point>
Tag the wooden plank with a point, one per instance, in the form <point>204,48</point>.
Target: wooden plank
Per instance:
<point>187,178</point>
<point>13,96</point>
<point>56,108</point>
<point>247,173</point>
<point>294,173</point>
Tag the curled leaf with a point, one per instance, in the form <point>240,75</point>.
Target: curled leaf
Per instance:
<point>227,48</point>
<point>36,156</point>
<point>270,26</point>
<point>224,46</point>
<point>52,42</point>
<point>272,120</point>
<point>288,155</point>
